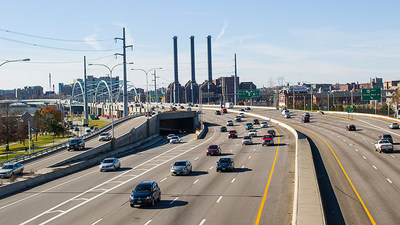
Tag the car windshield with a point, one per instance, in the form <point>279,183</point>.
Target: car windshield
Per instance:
<point>267,136</point>
<point>387,136</point>
<point>384,142</point>
<point>74,141</point>
<point>108,161</point>
<point>246,137</point>
<point>7,167</point>
<point>180,164</point>
<point>394,124</point>
<point>213,147</point>
<point>143,188</point>
<point>104,134</point>
<point>224,160</point>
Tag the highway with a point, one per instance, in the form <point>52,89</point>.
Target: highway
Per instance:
<point>259,190</point>
<point>358,185</point>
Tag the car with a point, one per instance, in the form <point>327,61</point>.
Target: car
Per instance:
<point>386,137</point>
<point>238,118</point>
<point>247,140</point>
<point>255,121</point>
<point>76,129</point>
<point>247,108</point>
<point>181,107</point>
<point>88,131</point>
<point>225,164</point>
<point>271,132</point>
<point>306,114</point>
<point>284,112</point>
<point>232,134</point>
<point>224,129</point>
<point>249,126</point>
<point>264,124</point>
<point>393,126</point>
<point>174,140</point>
<point>105,136</point>
<point>173,108</point>
<point>384,145</point>
<point>213,150</point>
<point>241,110</point>
<point>181,167</point>
<point>305,119</point>
<point>10,169</point>
<point>252,133</point>
<point>110,164</point>
<point>188,109</point>
<point>217,112</point>
<point>76,143</point>
<point>224,110</point>
<point>146,192</point>
<point>162,107</point>
<point>267,140</point>
<point>242,115</point>
<point>169,136</point>
<point>350,127</point>
<point>229,123</point>
<point>287,115</point>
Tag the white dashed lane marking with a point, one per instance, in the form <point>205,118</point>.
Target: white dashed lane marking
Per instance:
<point>374,167</point>
<point>196,181</point>
<point>388,180</point>
<point>163,180</point>
<point>219,199</point>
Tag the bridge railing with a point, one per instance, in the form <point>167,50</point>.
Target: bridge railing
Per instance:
<point>57,147</point>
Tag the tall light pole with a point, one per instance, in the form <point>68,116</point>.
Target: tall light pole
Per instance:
<point>111,98</point>
<point>147,95</point>
<point>16,60</point>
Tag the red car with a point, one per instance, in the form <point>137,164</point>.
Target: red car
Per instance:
<point>213,150</point>
<point>223,110</point>
<point>232,134</point>
<point>267,140</point>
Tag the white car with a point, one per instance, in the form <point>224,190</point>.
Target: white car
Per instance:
<point>252,133</point>
<point>174,140</point>
<point>229,123</point>
<point>247,140</point>
<point>88,130</point>
<point>394,126</point>
<point>264,124</point>
<point>110,164</point>
<point>284,112</point>
<point>106,136</point>
<point>10,169</point>
<point>170,136</point>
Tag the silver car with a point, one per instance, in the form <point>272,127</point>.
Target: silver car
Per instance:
<point>10,169</point>
<point>174,140</point>
<point>110,164</point>
<point>247,140</point>
<point>394,126</point>
<point>106,136</point>
<point>264,124</point>
<point>181,167</point>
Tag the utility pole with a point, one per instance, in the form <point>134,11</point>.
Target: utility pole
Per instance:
<point>311,99</point>
<point>125,92</point>
<point>155,86</point>
<point>235,83</point>
<point>85,91</point>
<point>328,101</point>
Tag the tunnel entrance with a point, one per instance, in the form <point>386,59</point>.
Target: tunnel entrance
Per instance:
<point>177,126</point>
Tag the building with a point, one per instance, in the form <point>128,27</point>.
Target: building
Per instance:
<point>227,87</point>
<point>29,92</point>
<point>7,94</point>
<point>393,84</point>
<point>247,86</point>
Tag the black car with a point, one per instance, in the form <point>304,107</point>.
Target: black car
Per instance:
<point>305,119</point>
<point>76,143</point>
<point>224,129</point>
<point>147,192</point>
<point>386,137</point>
<point>217,112</point>
<point>271,132</point>
<point>247,108</point>
<point>255,121</point>
<point>225,164</point>
<point>350,127</point>
<point>241,110</point>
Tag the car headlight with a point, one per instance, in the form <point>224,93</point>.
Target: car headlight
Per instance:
<point>131,197</point>
<point>148,197</point>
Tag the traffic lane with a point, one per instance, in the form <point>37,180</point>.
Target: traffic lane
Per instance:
<point>60,190</point>
<point>51,159</point>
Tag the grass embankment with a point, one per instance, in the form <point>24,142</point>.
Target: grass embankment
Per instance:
<point>18,149</point>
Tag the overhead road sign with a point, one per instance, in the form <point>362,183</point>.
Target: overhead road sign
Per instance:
<point>251,93</point>
<point>368,94</point>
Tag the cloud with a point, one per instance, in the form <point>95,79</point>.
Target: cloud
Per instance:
<point>222,31</point>
<point>91,40</point>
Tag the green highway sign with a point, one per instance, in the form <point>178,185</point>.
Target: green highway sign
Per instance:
<point>350,110</point>
<point>368,94</point>
<point>255,93</point>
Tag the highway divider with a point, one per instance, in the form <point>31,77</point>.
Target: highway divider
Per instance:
<point>307,204</point>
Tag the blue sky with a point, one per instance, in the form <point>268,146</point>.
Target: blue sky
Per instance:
<point>310,41</point>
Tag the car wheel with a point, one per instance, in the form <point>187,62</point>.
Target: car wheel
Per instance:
<point>152,202</point>
<point>159,198</point>
<point>132,205</point>
<point>217,170</point>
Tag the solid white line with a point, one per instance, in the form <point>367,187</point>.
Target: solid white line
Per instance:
<point>196,158</point>
<point>81,199</point>
<point>100,194</point>
<point>219,199</point>
<point>372,143</point>
<point>163,180</point>
<point>173,200</point>
<point>249,157</point>
<point>356,150</point>
<point>202,222</point>
<point>147,222</point>
<point>211,168</point>
<point>374,167</point>
<point>99,221</point>
<point>54,211</point>
<point>389,180</point>
<point>195,181</point>
<point>233,180</point>
<point>364,157</point>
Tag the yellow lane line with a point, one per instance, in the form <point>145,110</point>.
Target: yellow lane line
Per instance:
<point>269,180</point>
<point>348,179</point>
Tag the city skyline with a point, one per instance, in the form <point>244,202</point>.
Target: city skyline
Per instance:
<point>337,42</point>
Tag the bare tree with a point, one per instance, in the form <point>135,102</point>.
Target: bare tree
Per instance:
<point>9,123</point>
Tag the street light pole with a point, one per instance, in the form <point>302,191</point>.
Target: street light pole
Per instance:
<point>16,60</point>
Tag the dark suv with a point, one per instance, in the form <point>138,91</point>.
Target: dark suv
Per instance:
<point>350,127</point>
<point>225,164</point>
<point>386,137</point>
<point>147,192</point>
<point>76,143</point>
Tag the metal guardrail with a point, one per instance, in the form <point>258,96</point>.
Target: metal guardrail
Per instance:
<point>25,157</point>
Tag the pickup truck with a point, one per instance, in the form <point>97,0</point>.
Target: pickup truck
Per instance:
<point>384,146</point>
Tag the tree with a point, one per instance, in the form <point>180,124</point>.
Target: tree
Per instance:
<point>9,124</point>
<point>396,96</point>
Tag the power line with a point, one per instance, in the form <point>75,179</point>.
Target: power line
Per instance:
<point>57,48</point>
<point>49,38</point>
<point>68,62</point>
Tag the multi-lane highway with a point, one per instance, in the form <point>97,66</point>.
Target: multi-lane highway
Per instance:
<point>259,190</point>
<point>358,185</point>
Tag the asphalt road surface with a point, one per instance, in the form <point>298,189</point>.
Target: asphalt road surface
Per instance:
<point>259,190</point>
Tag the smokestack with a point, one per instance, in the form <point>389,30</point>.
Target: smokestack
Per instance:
<point>50,81</point>
<point>176,90</point>
<point>209,59</point>
<point>193,69</point>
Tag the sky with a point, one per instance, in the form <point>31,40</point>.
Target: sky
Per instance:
<point>301,41</point>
